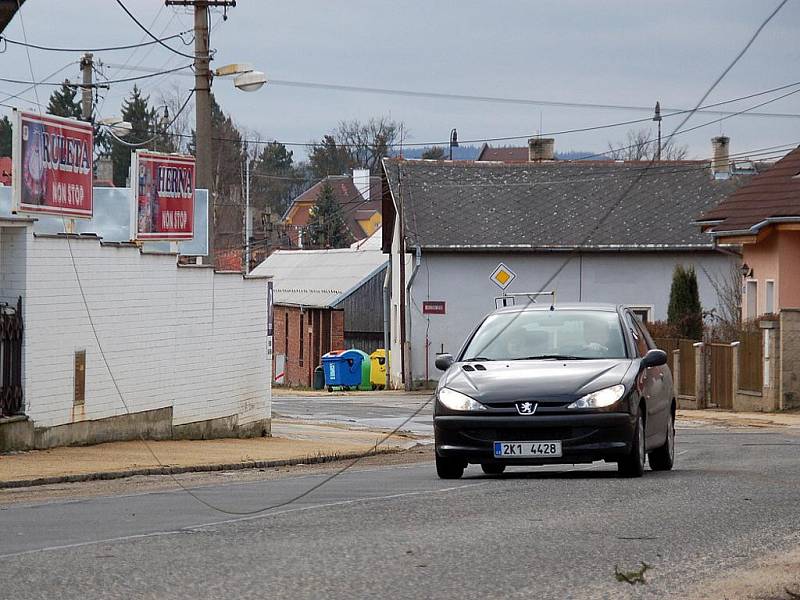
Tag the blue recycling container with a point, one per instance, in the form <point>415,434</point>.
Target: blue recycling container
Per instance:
<point>342,368</point>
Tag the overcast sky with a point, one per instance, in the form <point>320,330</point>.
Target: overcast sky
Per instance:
<point>609,52</point>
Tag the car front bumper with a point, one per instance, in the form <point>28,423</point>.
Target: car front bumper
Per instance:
<point>584,437</point>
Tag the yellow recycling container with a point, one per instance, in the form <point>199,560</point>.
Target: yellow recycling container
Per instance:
<point>377,376</point>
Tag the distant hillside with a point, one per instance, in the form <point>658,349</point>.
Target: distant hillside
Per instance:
<point>460,153</point>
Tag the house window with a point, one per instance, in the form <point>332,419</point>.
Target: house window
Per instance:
<point>751,293</point>
<point>643,311</point>
<point>769,301</point>
<point>302,338</point>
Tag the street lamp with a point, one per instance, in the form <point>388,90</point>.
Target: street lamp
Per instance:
<point>453,141</point>
<point>116,125</point>
<point>657,119</point>
<point>246,78</point>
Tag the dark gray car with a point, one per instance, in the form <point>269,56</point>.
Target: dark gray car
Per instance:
<point>573,383</point>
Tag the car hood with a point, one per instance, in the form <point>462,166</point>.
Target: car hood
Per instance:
<point>544,381</point>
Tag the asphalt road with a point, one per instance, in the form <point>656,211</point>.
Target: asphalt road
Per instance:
<point>398,532</point>
<point>368,410</point>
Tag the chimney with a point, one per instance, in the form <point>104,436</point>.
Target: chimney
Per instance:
<point>720,164</point>
<point>540,149</point>
<point>361,181</point>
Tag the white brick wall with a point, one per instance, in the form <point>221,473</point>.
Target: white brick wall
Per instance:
<point>184,337</point>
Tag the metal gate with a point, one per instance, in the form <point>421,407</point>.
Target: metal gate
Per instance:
<point>722,375</point>
<point>11,359</point>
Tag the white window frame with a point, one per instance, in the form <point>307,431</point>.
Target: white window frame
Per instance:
<point>648,308</point>
<point>751,299</point>
<point>770,283</point>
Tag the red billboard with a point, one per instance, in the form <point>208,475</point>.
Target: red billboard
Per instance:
<point>163,196</point>
<point>52,170</point>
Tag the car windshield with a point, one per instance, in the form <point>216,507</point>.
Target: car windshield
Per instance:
<point>546,334</point>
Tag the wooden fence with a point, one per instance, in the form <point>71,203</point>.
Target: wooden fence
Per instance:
<point>722,375</point>
<point>688,377</point>
<point>668,345</point>
<point>751,361</point>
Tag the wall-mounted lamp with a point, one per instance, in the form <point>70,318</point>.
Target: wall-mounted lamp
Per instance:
<point>746,270</point>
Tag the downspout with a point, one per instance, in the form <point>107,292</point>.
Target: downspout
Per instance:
<point>387,310</point>
<point>723,250</point>
<point>417,260</point>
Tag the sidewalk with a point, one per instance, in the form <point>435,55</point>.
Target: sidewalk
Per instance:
<point>741,419</point>
<point>294,443</point>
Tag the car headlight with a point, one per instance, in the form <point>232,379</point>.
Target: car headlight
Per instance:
<point>457,401</point>
<point>600,398</point>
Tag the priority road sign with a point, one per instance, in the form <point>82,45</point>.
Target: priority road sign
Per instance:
<point>502,276</point>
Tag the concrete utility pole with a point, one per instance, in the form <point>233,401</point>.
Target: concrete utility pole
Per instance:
<point>87,86</point>
<point>202,103</point>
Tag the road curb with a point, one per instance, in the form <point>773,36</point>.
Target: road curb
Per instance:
<point>175,470</point>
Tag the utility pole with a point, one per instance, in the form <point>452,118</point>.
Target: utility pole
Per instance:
<point>202,104</point>
<point>87,86</point>
<point>248,218</point>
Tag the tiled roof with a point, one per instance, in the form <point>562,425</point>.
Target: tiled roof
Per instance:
<point>555,205</point>
<point>775,193</point>
<point>348,197</point>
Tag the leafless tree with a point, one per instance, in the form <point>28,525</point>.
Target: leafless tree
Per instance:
<point>641,144</point>
<point>368,142</point>
<point>726,319</point>
<point>180,131</point>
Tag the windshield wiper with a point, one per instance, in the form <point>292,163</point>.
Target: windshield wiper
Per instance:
<point>477,359</point>
<point>553,357</point>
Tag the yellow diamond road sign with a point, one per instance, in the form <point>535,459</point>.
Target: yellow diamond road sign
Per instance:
<point>503,276</point>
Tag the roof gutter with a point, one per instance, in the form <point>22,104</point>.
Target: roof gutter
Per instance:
<point>757,227</point>
<point>599,248</point>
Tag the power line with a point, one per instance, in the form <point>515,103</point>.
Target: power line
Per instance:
<point>728,115</point>
<point>28,53</point>
<point>147,31</point>
<point>104,49</point>
<point>633,184</point>
<point>155,137</point>
<point>498,99</point>
<point>108,82</point>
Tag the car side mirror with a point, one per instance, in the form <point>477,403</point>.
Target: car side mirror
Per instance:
<point>654,358</point>
<point>443,361</point>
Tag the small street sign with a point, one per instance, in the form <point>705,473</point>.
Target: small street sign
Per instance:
<point>433,307</point>
<point>502,276</point>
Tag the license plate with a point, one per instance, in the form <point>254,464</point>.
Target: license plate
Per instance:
<point>527,449</point>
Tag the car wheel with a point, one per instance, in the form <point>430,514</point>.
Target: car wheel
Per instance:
<point>449,468</point>
<point>662,459</point>
<point>633,464</point>
<point>493,468</point>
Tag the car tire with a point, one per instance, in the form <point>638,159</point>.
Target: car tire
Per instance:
<point>662,459</point>
<point>493,468</point>
<point>449,468</point>
<point>633,464</point>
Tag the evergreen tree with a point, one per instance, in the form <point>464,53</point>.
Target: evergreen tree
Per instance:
<point>65,102</point>
<point>329,158</point>
<point>326,228</point>
<point>684,312</point>
<point>143,120</point>
<point>5,136</point>
<point>275,181</point>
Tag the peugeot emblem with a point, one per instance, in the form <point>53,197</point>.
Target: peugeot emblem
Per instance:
<point>526,408</point>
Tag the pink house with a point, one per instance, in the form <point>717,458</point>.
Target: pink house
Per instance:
<point>763,217</point>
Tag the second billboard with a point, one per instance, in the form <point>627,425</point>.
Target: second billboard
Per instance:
<point>163,196</point>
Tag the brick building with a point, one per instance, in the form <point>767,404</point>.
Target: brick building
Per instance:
<point>324,300</point>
